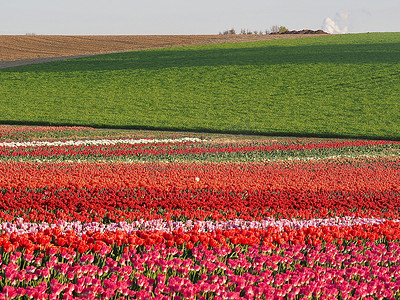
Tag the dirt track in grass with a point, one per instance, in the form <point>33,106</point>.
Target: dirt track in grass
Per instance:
<point>17,50</point>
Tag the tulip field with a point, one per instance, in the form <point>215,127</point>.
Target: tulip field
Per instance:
<point>115,214</point>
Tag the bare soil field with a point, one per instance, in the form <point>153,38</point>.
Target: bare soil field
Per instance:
<point>18,50</point>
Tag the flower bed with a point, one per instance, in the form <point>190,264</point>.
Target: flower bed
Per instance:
<point>336,261</point>
<point>45,145</point>
<point>283,229</point>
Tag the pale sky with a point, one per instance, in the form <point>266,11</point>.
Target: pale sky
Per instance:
<point>194,17</point>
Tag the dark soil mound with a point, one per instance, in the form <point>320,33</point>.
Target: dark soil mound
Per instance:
<point>305,31</point>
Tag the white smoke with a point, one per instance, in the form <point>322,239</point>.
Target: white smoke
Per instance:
<point>337,25</point>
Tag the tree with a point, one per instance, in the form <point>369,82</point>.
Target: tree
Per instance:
<point>283,29</point>
<point>278,29</point>
<point>274,29</point>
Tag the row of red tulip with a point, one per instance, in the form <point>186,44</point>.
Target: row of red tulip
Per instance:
<point>99,205</point>
<point>361,174</point>
<point>58,241</point>
<point>159,149</point>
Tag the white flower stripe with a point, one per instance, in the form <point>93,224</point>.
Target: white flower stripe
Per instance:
<point>96,142</point>
<point>21,227</point>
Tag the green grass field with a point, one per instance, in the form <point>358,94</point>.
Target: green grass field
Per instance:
<point>339,86</point>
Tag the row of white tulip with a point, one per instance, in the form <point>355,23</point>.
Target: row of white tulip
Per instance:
<point>97,142</point>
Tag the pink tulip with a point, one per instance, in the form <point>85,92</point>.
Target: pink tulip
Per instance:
<point>10,292</point>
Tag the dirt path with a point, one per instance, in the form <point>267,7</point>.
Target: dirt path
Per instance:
<point>19,50</point>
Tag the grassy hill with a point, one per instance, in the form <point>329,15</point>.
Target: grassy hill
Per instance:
<point>347,85</point>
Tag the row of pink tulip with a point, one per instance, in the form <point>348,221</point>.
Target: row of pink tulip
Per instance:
<point>20,227</point>
<point>326,271</point>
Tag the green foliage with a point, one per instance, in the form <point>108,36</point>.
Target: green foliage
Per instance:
<point>344,85</point>
<point>283,29</point>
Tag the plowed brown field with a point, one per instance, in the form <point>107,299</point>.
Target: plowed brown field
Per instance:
<point>37,48</point>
